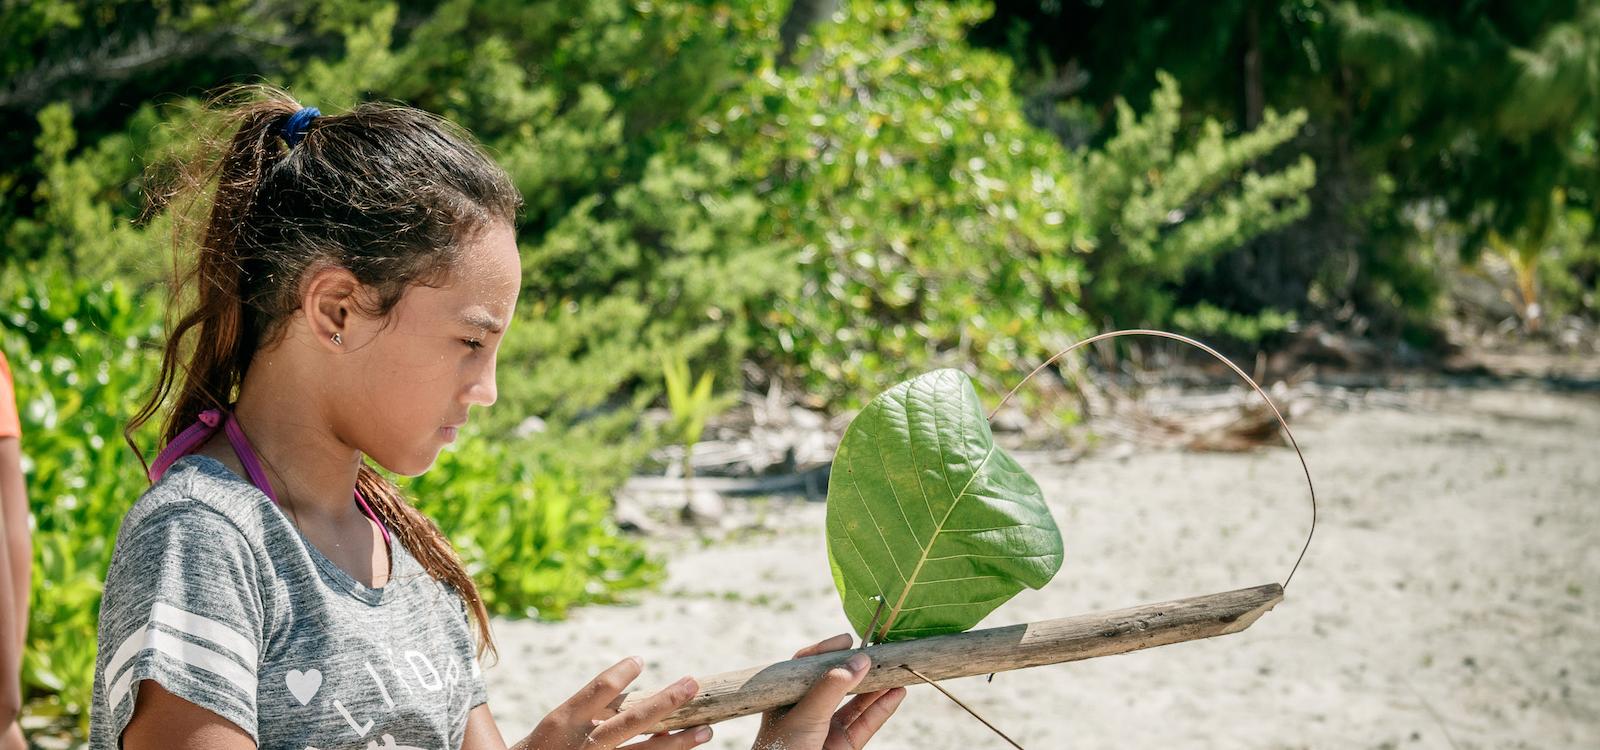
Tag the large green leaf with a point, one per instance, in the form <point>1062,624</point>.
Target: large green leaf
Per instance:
<point>927,512</point>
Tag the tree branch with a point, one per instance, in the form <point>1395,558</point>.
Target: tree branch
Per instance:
<point>758,689</point>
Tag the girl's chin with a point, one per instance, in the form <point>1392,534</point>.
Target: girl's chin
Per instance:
<point>414,464</point>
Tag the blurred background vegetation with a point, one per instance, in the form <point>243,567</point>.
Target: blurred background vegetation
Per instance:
<point>834,193</point>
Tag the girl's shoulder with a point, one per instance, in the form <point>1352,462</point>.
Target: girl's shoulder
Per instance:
<point>200,483</point>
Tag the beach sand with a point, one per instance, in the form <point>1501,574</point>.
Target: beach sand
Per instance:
<point>1450,597</point>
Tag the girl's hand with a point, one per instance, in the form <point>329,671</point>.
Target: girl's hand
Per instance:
<point>590,720</point>
<point>813,724</point>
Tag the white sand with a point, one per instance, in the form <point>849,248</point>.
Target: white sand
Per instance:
<point>1452,587</point>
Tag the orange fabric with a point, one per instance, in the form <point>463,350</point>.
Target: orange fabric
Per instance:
<point>10,424</point>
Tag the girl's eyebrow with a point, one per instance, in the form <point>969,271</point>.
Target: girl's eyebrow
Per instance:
<point>479,318</point>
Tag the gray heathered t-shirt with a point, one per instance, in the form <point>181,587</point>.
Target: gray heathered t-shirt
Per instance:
<point>213,593</point>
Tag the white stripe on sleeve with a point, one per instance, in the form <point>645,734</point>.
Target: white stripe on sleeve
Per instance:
<point>206,628</point>
<point>190,654</point>
<point>189,623</point>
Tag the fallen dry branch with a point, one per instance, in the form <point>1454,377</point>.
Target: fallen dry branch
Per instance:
<point>750,691</point>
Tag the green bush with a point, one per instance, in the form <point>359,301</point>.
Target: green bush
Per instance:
<point>87,197</point>
<point>81,360</point>
<point>1564,270</point>
<point>535,541</point>
<point>1159,205</point>
<point>935,226</point>
<point>1569,269</point>
<point>932,224</point>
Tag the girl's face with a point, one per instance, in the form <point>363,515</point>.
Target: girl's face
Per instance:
<point>412,376</point>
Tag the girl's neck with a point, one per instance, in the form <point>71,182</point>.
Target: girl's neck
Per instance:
<point>313,472</point>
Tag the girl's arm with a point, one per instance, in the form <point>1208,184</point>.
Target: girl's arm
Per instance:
<point>10,655</point>
<point>16,571</point>
<point>19,538</point>
<point>162,720</point>
<point>482,732</point>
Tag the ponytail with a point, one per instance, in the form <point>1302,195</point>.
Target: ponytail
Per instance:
<point>222,349</point>
<point>385,191</point>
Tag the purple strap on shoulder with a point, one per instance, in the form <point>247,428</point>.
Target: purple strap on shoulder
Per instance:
<point>185,442</point>
<point>202,430</point>
<point>247,456</point>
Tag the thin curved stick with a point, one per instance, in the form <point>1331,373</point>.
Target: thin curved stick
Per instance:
<point>975,715</point>
<point>1274,407</point>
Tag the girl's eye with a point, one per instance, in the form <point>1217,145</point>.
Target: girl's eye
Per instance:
<point>473,344</point>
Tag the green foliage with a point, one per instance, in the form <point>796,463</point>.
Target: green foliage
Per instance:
<point>929,516</point>
<point>1493,159</point>
<point>931,223</point>
<point>668,264</point>
<point>535,541</point>
<point>80,355</point>
<point>935,226</point>
<point>1158,207</point>
<point>1480,111</point>
<point>1209,320</point>
<point>1556,265</point>
<point>690,406</point>
<point>86,198</point>
<point>84,79</point>
<point>1569,267</point>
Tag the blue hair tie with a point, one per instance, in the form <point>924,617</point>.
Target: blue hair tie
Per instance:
<point>298,124</point>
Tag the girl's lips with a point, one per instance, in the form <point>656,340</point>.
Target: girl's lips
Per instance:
<point>449,433</point>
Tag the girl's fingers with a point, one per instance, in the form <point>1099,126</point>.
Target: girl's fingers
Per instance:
<point>638,719</point>
<point>853,707</point>
<point>817,706</point>
<point>604,688</point>
<point>836,643</point>
<point>673,741</point>
<point>873,717</point>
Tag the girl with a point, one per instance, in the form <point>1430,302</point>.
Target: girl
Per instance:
<point>355,275</point>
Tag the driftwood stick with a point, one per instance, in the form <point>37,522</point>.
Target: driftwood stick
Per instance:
<point>758,689</point>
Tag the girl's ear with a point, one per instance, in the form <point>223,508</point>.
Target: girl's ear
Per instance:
<point>328,303</point>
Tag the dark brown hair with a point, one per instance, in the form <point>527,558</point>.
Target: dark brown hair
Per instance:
<point>386,191</point>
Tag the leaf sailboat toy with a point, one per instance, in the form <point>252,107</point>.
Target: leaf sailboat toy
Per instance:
<point>930,527</point>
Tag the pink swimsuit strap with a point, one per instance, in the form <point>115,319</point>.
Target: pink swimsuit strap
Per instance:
<point>196,434</point>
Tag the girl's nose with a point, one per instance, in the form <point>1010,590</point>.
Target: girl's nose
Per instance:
<point>482,391</point>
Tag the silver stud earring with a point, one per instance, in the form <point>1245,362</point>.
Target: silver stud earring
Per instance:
<point>338,340</point>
